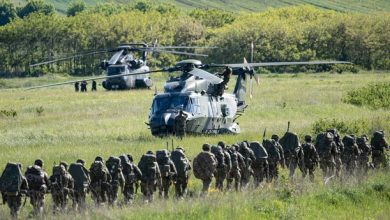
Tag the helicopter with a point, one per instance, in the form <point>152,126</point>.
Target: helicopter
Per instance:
<point>123,62</point>
<point>200,95</point>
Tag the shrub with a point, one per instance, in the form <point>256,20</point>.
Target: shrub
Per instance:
<point>351,127</point>
<point>374,95</point>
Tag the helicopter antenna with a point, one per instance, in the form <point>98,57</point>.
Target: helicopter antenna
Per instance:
<point>167,145</point>
<point>172,144</point>
<point>264,133</point>
<point>155,90</point>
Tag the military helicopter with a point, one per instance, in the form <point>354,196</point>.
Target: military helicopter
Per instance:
<point>123,63</point>
<point>200,96</point>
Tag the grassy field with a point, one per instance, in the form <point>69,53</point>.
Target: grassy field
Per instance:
<point>364,6</point>
<point>58,124</point>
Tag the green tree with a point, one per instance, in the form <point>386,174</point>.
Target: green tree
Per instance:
<point>75,7</point>
<point>7,12</point>
<point>33,6</point>
<point>143,6</point>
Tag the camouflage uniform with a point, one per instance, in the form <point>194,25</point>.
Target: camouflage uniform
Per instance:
<point>83,86</point>
<point>14,200</point>
<point>38,187</point>
<point>180,124</point>
<point>350,154</point>
<point>61,186</point>
<point>223,164</point>
<point>151,175</point>
<point>117,180</point>
<point>226,74</point>
<point>76,86</point>
<point>168,174</point>
<point>260,165</point>
<point>132,175</point>
<point>292,150</point>
<point>327,150</point>
<point>365,152</point>
<point>182,177</point>
<point>311,158</point>
<point>100,181</point>
<point>80,189</point>
<point>339,151</point>
<point>379,144</point>
<point>94,84</point>
<point>204,166</point>
<point>249,158</point>
<point>273,159</point>
<point>235,171</point>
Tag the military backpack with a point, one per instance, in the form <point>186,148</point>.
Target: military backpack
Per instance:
<point>219,155</point>
<point>58,179</point>
<point>181,162</point>
<point>79,175</point>
<point>11,179</point>
<point>204,165</point>
<point>148,167</point>
<point>35,177</point>
<point>272,150</point>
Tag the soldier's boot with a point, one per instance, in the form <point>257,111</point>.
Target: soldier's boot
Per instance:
<point>311,175</point>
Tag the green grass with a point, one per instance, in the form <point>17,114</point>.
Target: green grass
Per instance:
<point>58,124</point>
<point>364,6</point>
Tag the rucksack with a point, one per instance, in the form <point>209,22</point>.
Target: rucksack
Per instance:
<point>129,173</point>
<point>323,143</point>
<point>35,177</point>
<point>204,165</point>
<point>113,165</point>
<point>272,150</point>
<point>377,139</point>
<point>180,161</point>
<point>348,140</point>
<point>219,155</point>
<point>147,165</point>
<point>290,142</point>
<point>58,178</point>
<point>11,179</point>
<point>80,176</point>
<point>259,151</point>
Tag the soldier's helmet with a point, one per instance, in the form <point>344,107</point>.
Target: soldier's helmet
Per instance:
<point>39,163</point>
<point>206,147</point>
<point>180,148</point>
<point>130,157</point>
<point>99,158</point>
<point>275,137</point>
<point>365,137</point>
<point>149,152</point>
<point>221,144</point>
<point>307,138</point>
<point>81,161</point>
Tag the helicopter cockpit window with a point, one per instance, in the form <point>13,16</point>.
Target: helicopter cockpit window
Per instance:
<point>115,70</point>
<point>170,102</point>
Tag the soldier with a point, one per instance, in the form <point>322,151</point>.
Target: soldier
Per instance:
<point>61,186</point>
<point>311,158</point>
<point>38,182</point>
<point>100,181</point>
<point>327,150</point>
<point>12,193</point>
<point>292,150</point>
<point>83,86</point>
<point>76,86</point>
<point>151,176</point>
<point>168,172</point>
<point>180,124</point>
<point>365,152</point>
<point>273,159</point>
<point>235,171</point>
<point>226,74</point>
<point>132,175</point>
<point>379,144</point>
<point>114,166</point>
<point>350,154</point>
<point>94,86</point>
<point>282,162</point>
<point>82,182</point>
<point>183,167</point>
<point>221,171</point>
<point>204,166</point>
<point>339,151</point>
<point>260,165</point>
<point>249,158</point>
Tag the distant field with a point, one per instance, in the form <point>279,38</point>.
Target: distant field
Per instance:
<point>365,6</point>
<point>58,124</point>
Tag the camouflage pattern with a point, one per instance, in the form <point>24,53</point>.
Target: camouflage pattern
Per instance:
<point>117,180</point>
<point>379,144</point>
<point>132,174</point>
<point>339,151</point>
<point>292,151</point>
<point>168,175</point>
<point>327,151</point>
<point>223,164</point>
<point>151,180</point>
<point>100,183</point>
<point>80,189</point>
<point>204,166</point>
<point>249,158</point>
<point>237,161</point>
<point>180,124</point>
<point>182,178</point>
<point>365,153</point>
<point>273,159</point>
<point>61,188</point>
<point>260,165</point>
<point>350,154</point>
<point>311,158</point>
<point>39,185</point>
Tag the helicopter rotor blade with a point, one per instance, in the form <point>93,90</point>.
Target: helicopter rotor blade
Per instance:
<point>177,52</point>
<point>206,75</point>
<point>69,57</point>
<point>235,65</point>
<point>94,78</point>
<point>115,57</point>
<point>184,47</point>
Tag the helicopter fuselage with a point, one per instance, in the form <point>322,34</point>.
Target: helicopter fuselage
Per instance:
<point>127,82</point>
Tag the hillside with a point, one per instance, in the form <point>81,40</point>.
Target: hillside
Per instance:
<point>364,6</point>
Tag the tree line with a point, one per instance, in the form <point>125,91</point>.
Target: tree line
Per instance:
<point>285,34</point>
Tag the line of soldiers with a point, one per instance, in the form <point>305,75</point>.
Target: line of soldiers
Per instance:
<point>236,164</point>
<point>82,86</point>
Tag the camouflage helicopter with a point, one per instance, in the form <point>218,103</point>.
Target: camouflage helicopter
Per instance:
<point>201,97</point>
<point>124,63</point>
